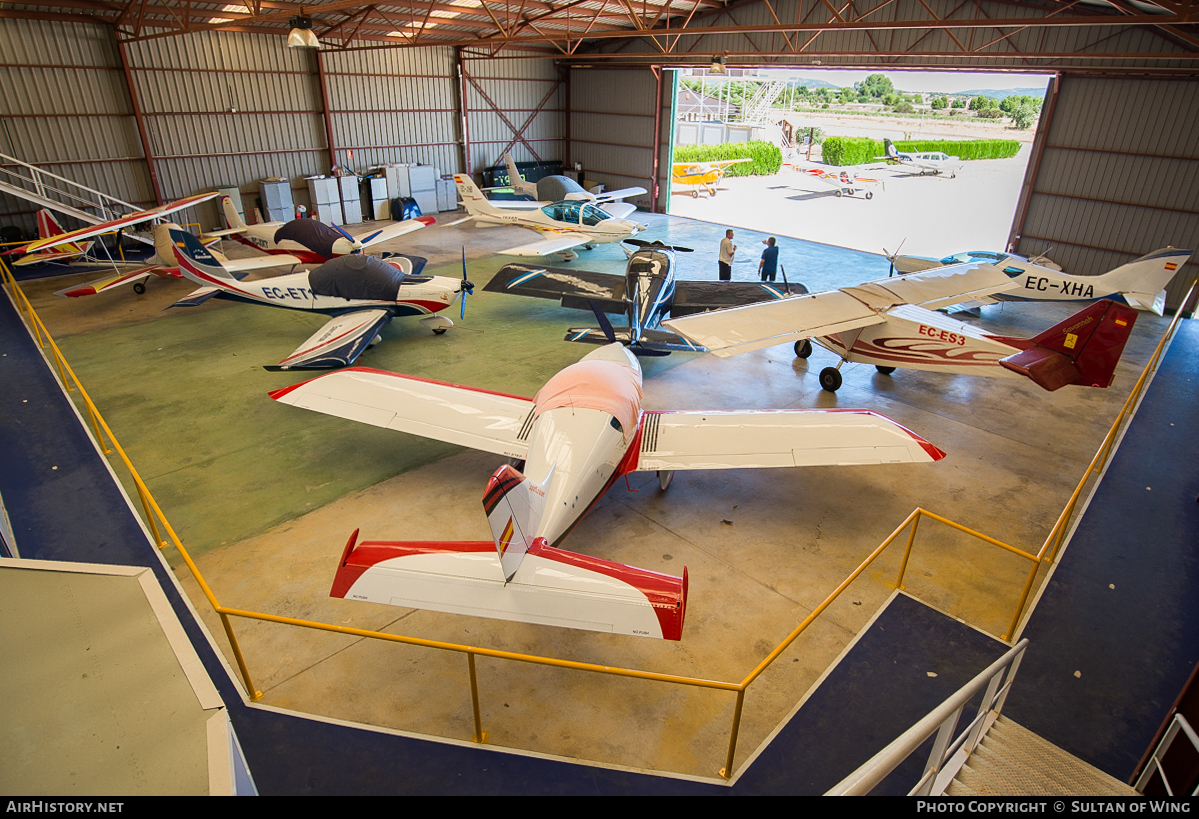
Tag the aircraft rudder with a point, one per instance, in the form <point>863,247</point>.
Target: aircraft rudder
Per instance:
<point>514,506</point>
<point>1084,349</point>
<point>1148,274</point>
<point>232,218</point>
<point>194,258</point>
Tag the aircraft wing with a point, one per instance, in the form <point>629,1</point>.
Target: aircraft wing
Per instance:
<point>124,221</point>
<point>938,287</point>
<point>258,263</point>
<point>741,329</point>
<point>618,210</point>
<point>767,438</point>
<point>555,243</point>
<point>692,297</point>
<point>395,230</point>
<point>479,419</point>
<point>575,288</point>
<point>623,193</point>
<point>339,342</point>
<point>196,297</point>
<point>106,283</point>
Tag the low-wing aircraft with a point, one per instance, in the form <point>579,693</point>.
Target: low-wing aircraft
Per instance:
<point>309,240</point>
<point>1140,283</point>
<point>645,294</point>
<point>361,293</point>
<point>845,183</point>
<point>163,265</point>
<point>935,162</point>
<point>567,224</point>
<point>892,323</point>
<point>702,175</point>
<point>583,430</point>
<point>556,188</point>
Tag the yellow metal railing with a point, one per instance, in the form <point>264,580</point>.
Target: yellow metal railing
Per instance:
<point>154,515</point>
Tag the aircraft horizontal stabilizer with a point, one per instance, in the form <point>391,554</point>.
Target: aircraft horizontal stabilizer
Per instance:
<point>197,297</point>
<point>1084,349</point>
<point>339,342</point>
<point>552,586</point>
<point>1155,303</point>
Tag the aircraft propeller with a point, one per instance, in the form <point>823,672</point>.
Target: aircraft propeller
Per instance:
<point>467,288</point>
<point>644,245</point>
<point>892,256</point>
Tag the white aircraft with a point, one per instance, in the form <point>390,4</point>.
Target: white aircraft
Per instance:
<point>891,323</point>
<point>568,224</point>
<point>934,161</point>
<point>581,432</point>
<point>845,183</point>
<point>563,188</point>
<point>309,240</point>
<point>1140,283</point>
<point>361,293</point>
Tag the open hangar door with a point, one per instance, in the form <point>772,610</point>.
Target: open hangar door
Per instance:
<point>1114,175</point>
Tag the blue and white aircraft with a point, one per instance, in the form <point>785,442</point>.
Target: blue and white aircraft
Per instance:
<point>361,294</point>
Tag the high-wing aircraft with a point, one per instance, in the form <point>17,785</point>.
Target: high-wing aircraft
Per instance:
<point>845,183</point>
<point>1140,283</point>
<point>935,162</point>
<point>645,294</point>
<point>309,240</point>
<point>702,175</point>
<point>361,293</point>
<point>567,224</point>
<point>164,266</point>
<point>550,189</point>
<point>582,431</point>
<point>891,323</point>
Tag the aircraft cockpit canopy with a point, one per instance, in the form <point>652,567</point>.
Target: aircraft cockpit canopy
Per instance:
<point>576,213</point>
<point>975,256</point>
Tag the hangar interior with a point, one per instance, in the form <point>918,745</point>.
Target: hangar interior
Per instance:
<point>150,103</point>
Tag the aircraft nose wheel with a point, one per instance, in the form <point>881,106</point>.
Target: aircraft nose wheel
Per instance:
<point>884,370</point>
<point>869,195</point>
<point>803,348</point>
<point>440,331</point>
<point>830,379</point>
<point>139,288</point>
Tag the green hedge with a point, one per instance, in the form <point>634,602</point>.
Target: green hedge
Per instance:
<point>767,158</point>
<point>860,150</point>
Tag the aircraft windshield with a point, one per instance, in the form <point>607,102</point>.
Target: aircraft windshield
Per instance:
<point>576,213</point>
<point>975,256</point>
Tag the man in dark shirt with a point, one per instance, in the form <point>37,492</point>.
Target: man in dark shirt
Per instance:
<point>768,266</point>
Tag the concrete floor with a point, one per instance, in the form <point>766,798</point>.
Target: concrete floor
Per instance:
<point>266,495</point>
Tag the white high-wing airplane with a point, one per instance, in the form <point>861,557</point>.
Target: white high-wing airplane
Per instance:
<point>934,161</point>
<point>568,224</point>
<point>892,323</point>
<point>361,293</point>
<point>309,240</point>
<point>563,188</point>
<point>844,182</point>
<point>1140,283</point>
<point>581,432</point>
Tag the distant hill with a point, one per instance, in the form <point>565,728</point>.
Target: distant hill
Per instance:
<point>998,95</point>
<point>803,82</point>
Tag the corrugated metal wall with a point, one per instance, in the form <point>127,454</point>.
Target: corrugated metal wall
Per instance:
<point>1118,176</point>
<point>65,108</point>
<point>507,96</point>
<point>612,126</point>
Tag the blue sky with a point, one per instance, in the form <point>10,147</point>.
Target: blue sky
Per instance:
<point>951,82</point>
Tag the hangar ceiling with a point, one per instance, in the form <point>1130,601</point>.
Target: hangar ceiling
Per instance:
<point>1105,36</point>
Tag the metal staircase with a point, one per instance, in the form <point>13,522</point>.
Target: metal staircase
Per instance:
<point>1013,761</point>
<point>758,107</point>
<point>49,190</point>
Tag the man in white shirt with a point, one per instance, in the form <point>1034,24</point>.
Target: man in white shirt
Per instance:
<point>727,249</point>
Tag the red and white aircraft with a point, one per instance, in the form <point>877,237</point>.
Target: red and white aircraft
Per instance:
<point>892,323</point>
<point>845,183</point>
<point>309,240</point>
<point>361,294</point>
<point>582,431</point>
<point>48,228</point>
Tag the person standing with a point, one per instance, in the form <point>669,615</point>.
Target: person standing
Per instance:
<point>727,249</point>
<point>768,266</point>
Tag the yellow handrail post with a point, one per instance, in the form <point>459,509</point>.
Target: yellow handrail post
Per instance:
<point>1011,629</point>
<point>903,566</point>
<point>727,770</point>
<point>479,737</point>
<point>162,544</point>
<point>255,695</point>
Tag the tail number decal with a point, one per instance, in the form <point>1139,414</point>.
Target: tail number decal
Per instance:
<point>942,335</point>
<point>1078,289</point>
<point>288,293</point>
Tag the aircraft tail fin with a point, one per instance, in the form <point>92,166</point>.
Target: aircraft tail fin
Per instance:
<point>517,181</point>
<point>232,217</point>
<point>1084,349</point>
<point>1142,280</point>
<point>47,225</point>
<point>514,507</point>
<point>472,198</point>
<point>197,262</point>
<point>890,146</point>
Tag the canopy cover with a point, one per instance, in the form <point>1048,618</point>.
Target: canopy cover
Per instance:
<point>312,234</point>
<point>602,385</point>
<point>356,277</point>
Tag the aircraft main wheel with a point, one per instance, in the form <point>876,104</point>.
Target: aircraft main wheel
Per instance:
<point>839,192</point>
<point>695,194</point>
<point>440,331</point>
<point>803,348</point>
<point>830,379</point>
<point>953,176</point>
<point>665,476</point>
<point>884,370</point>
<point>139,288</point>
<point>851,191</point>
<point>869,195</point>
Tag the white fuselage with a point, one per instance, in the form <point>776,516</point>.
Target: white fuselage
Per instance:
<point>603,232</point>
